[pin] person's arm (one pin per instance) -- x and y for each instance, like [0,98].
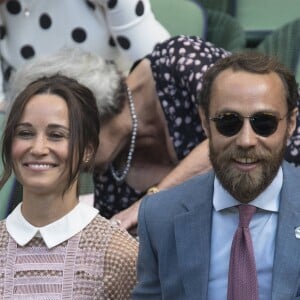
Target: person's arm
[148,284]
[196,162]
[133,27]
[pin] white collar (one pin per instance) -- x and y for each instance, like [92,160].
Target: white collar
[267,200]
[53,234]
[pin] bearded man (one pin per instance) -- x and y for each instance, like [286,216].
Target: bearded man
[232,233]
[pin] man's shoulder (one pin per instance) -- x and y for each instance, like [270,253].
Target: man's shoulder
[290,172]
[172,200]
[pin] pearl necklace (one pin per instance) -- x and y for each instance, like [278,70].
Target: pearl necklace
[118,175]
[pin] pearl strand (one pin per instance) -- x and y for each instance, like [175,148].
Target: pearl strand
[118,175]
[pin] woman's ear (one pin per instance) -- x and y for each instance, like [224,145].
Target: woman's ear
[204,122]
[88,154]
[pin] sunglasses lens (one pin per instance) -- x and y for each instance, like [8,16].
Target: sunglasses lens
[229,124]
[264,124]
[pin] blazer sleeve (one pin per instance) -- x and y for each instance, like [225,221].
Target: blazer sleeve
[148,283]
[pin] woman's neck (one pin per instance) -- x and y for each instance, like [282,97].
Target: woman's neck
[154,149]
[42,209]
[143,89]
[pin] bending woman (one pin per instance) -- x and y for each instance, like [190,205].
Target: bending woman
[115,30]
[52,246]
[151,134]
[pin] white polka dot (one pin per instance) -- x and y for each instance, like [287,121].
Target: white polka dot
[167,76]
[189,61]
[181,60]
[204,68]
[191,77]
[182,51]
[188,120]
[198,76]
[162,60]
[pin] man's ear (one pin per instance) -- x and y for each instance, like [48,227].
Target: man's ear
[292,122]
[204,121]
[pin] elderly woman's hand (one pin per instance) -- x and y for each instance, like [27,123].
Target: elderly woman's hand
[128,218]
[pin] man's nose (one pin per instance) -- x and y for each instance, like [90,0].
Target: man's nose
[246,137]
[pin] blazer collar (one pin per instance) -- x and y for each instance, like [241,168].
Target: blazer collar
[192,235]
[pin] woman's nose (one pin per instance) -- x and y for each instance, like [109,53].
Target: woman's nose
[39,146]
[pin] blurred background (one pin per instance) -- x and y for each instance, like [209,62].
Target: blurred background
[268,26]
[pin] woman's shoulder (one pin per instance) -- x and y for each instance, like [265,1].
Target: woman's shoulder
[102,232]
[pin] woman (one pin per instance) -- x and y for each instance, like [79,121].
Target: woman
[150,127]
[113,29]
[51,245]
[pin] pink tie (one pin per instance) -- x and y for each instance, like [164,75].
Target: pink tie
[242,278]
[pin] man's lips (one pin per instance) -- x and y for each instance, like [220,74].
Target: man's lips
[246,160]
[246,163]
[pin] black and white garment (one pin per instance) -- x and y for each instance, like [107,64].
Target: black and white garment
[114,29]
[177,66]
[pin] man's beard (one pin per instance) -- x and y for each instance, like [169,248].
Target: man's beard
[245,186]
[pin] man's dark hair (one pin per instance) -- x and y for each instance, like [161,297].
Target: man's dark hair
[252,62]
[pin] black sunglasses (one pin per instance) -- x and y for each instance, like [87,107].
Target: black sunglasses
[262,123]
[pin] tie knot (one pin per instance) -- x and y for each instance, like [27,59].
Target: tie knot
[246,212]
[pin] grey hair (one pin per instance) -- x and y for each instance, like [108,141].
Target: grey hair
[99,75]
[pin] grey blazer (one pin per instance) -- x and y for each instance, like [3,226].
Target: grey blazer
[175,231]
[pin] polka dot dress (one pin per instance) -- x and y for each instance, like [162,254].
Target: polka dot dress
[292,153]
[178,66]
[113,29]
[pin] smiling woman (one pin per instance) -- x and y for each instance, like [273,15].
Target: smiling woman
[51,134]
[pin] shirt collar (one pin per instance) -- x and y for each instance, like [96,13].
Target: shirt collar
[52,234]
[267,200]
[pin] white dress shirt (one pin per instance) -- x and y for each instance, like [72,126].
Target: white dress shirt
[54,233]
[263,227]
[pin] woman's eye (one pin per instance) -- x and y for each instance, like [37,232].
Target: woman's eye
[24,134]
[56,135]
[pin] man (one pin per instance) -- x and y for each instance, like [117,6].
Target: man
[248,110]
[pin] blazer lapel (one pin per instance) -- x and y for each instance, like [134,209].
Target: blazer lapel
[193,234]
[287,248]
